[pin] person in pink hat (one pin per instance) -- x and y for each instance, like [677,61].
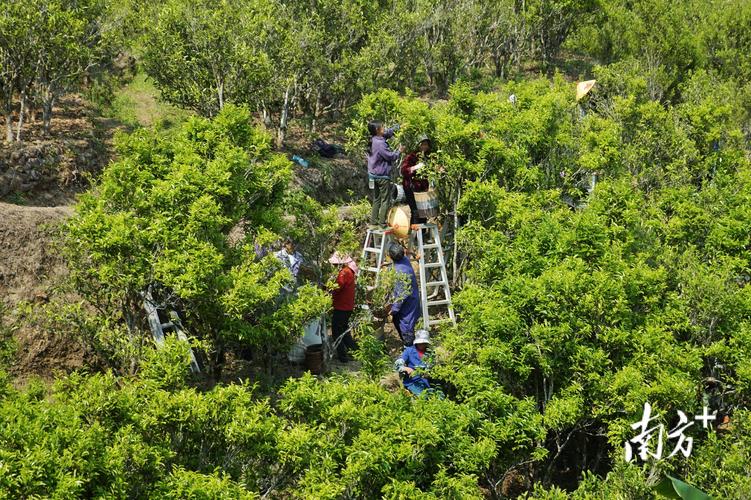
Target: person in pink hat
[344,303]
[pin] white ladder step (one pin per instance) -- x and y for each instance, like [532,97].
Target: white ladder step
[441,320]
[428,241]
[436,283]
[372,250]
[157,327]
[443,302]
[372,269]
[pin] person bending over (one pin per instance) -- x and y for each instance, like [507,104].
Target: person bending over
[406,310]
[413,359]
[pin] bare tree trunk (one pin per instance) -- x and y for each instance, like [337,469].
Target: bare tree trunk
[47,105]
[497,64]
[455,265]
[8,124]
[316,112]
[20,117]
[282,132]
[220,93]
[265,114]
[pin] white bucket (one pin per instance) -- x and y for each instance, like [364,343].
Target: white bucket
[399,196]
[297,353]
[312,336]
[367,314]
[312,333]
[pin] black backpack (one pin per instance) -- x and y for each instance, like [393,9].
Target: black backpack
[325,149]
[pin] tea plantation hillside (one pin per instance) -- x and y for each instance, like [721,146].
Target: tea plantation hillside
[586,165]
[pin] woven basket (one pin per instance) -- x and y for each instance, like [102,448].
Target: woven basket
[427,204]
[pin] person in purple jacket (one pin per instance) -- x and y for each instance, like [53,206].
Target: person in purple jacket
[381,159]
[405,312]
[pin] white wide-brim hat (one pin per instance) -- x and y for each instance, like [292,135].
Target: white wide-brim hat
[422,337]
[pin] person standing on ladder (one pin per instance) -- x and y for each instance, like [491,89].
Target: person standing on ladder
[406,311]
[344,302]
[411,179]
[381,159]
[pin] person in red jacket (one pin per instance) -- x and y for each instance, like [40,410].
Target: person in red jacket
[411,179]
[344,302]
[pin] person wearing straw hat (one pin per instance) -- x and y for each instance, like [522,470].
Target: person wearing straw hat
[414,358]
[411,180]
[582,91]
[587,179]
[343,299]
[583,88]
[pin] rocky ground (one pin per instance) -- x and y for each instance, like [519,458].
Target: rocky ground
[48,170]
[39,179]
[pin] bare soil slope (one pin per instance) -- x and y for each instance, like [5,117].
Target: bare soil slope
[27,265]
[29,271]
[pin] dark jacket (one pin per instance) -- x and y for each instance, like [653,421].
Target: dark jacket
[381,157]
[412,181]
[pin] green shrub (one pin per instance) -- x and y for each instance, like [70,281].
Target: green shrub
[160,217]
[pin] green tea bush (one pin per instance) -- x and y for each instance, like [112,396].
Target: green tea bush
[99,435]
[160,218]
[579,307]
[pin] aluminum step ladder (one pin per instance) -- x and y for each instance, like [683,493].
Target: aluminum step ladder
[158,328]
[431,262]
[374,252]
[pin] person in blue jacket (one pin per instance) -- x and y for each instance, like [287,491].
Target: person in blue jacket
[406,311]
[412,359]
[381,159]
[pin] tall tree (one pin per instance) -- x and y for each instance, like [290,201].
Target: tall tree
[70,42]
[205,54]
[18,29]
[551,23]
